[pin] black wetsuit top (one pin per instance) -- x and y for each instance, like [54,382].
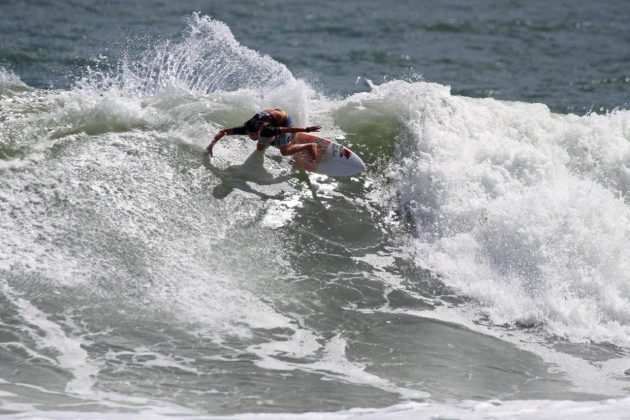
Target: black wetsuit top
[265,117]
[265,132]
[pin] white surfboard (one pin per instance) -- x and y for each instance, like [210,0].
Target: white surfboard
[333,159]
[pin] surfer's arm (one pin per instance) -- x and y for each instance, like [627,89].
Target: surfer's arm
[298,129]
[219,136]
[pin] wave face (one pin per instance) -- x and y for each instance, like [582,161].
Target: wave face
[130,266]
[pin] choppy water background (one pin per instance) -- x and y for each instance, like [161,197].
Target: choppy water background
[483,256]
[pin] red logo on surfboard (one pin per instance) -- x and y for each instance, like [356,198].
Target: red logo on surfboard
[346,153]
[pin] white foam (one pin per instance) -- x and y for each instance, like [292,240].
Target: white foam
[522,209]
[494,409]
[26,245]
[150,358]
[71,356]
[329,360]
[8,78]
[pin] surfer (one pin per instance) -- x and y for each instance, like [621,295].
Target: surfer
[270,127]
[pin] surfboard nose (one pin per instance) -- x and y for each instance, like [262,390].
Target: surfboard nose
[356,161]
[363,167]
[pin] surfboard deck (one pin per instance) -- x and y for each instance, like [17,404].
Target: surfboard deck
[333,159]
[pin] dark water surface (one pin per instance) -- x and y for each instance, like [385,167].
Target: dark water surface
[571,56]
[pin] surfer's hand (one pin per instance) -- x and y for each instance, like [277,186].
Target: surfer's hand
[209,149]
[312,128]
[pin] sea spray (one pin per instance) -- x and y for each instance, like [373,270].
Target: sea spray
[206,60]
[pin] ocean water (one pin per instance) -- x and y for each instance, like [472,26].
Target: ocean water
[479,268]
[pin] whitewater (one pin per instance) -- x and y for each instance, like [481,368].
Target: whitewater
[479,268]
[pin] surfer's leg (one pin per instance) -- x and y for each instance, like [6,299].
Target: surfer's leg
[291,149]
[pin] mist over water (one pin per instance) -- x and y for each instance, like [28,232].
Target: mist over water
[481,256]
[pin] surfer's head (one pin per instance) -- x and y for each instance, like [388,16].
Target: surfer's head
[252,127]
